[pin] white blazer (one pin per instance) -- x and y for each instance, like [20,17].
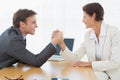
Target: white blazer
[110,50]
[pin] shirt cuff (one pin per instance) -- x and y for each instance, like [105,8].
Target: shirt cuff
[53,45]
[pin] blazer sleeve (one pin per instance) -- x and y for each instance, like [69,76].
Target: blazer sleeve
[114,60]
[74,56]
[19,52]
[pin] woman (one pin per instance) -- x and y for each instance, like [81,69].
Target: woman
[101,44]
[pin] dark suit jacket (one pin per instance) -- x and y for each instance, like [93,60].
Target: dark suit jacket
[13,49]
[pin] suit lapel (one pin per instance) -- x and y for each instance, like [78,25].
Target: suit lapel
[19,34]
[102,39]
[92,45]
[102,43]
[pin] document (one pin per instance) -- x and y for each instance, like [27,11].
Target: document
[56,58]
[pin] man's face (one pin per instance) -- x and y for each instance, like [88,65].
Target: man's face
[29,26]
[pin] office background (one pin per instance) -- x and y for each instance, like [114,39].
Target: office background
[65,15]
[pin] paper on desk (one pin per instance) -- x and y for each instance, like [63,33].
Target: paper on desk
[56,58]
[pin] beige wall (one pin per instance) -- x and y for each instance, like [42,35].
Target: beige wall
[65,15]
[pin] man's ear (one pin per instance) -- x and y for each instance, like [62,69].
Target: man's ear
[22,24]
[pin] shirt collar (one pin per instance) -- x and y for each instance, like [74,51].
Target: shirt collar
[102,32]
[24,37]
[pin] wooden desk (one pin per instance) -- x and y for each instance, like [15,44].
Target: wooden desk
[47,71]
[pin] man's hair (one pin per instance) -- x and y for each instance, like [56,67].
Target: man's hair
[22,15]
[96,8]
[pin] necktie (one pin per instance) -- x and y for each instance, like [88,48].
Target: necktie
[24,41]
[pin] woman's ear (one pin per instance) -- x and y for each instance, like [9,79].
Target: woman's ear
[94,15]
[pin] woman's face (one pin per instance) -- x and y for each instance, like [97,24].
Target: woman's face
[88,20]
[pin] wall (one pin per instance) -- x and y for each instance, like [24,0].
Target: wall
[65,15]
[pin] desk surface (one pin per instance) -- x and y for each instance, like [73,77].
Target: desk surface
[47,71]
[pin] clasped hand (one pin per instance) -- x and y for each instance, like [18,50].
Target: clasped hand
[57,37]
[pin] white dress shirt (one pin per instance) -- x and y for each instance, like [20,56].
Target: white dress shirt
[98,47]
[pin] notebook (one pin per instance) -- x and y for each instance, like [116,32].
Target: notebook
[56,57]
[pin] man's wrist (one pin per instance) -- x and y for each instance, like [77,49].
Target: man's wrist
[53,43]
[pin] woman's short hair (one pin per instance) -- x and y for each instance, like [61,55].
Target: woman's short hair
[96,8]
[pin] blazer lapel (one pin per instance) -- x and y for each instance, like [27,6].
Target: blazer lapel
[92,45]
[102,43]
[102,39]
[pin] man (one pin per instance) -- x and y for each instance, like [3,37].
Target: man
[13,45]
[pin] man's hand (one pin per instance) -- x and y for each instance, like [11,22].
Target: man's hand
[82,64]
[57,37]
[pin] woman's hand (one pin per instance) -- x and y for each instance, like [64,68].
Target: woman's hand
[82,64]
